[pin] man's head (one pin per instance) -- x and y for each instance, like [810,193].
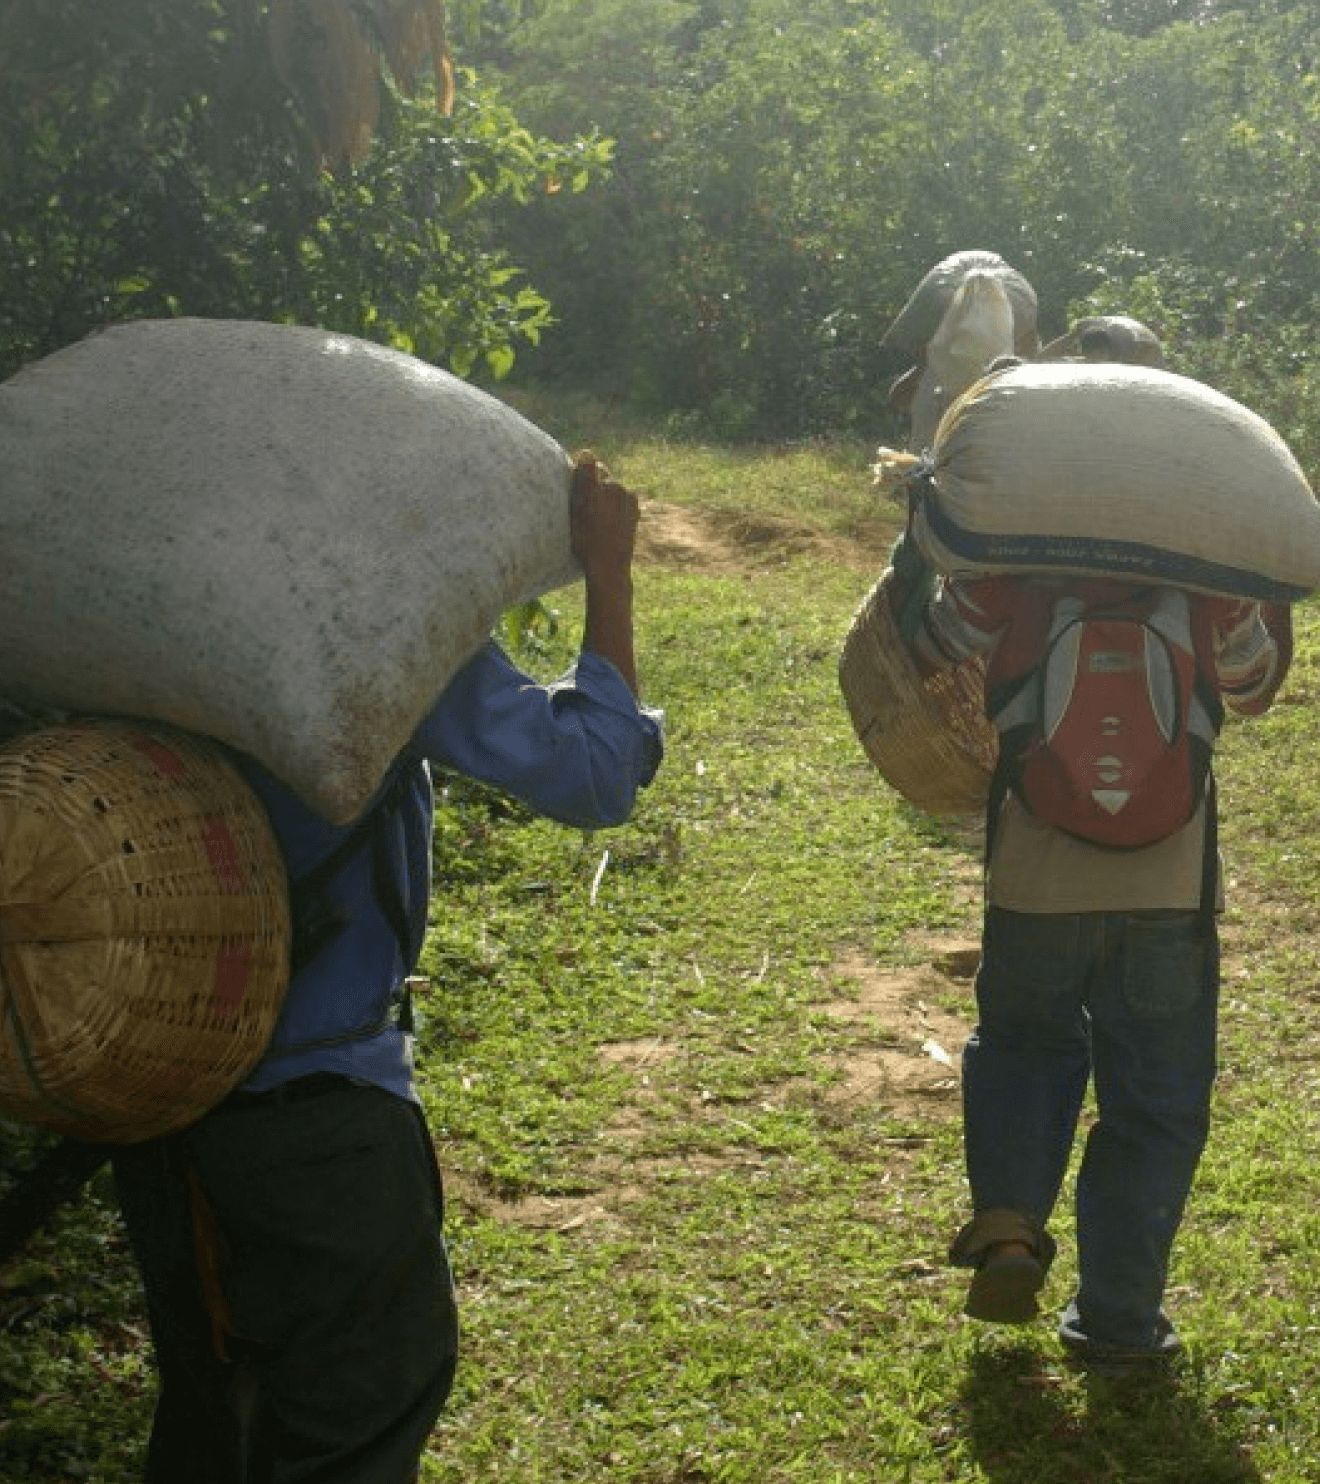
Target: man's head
[1108,337]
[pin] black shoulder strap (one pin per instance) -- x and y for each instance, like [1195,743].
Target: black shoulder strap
[385,879]
[1209,861]
[317,922]
[1011,745]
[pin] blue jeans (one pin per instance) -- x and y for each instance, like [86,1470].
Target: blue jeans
[1131,1000]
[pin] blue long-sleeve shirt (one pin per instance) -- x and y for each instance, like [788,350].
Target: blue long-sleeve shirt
[576,751]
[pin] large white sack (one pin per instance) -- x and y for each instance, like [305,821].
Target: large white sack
[280,537]
[920,317]
[1130,470]
[977,329]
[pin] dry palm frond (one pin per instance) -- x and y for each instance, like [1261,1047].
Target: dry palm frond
[436,27]
[411,32]
[320,56]
[327,54]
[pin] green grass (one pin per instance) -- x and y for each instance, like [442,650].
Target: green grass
[686,1251]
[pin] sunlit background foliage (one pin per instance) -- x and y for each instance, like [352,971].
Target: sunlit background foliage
[708,208]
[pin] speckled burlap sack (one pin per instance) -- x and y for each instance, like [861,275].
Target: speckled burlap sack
[280,537]
[1087,468]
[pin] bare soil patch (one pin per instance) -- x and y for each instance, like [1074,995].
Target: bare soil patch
[904,1060]
[906,1043]
[907,1059]
[721,542]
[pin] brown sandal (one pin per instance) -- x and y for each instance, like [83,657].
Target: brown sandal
[1005,1287]
[1011,1254]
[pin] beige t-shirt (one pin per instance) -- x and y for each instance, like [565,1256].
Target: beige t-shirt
[1036,868]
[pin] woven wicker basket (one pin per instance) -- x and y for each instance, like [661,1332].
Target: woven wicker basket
[144,930]
[929,738]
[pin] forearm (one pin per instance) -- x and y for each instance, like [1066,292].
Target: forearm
[604,519]
[1253,652]
[608,630]
[964,620]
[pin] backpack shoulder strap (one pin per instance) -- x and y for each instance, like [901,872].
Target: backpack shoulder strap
[316,921]
[1209,904]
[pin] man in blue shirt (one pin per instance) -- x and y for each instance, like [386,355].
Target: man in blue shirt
[301,1302]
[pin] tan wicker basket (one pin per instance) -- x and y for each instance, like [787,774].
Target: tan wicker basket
[929,738]
[144,929]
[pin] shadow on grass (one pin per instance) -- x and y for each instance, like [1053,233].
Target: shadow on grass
[1031,1422]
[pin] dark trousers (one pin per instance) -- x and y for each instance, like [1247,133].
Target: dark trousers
[301,1303]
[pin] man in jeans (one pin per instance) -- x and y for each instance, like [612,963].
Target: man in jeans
[302,1309]
[1096,963]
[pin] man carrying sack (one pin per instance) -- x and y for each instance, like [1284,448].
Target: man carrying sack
[1099,960]
[301,1301]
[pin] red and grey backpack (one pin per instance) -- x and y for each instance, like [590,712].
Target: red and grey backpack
[1107,717]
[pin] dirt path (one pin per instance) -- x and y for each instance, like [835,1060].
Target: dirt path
[720,542]
[906,1042]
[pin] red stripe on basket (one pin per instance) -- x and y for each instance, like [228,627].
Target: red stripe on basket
[233,969]
[223,853]
[165,760]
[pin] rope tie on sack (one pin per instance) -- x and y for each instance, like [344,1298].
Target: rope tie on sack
[908,479]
